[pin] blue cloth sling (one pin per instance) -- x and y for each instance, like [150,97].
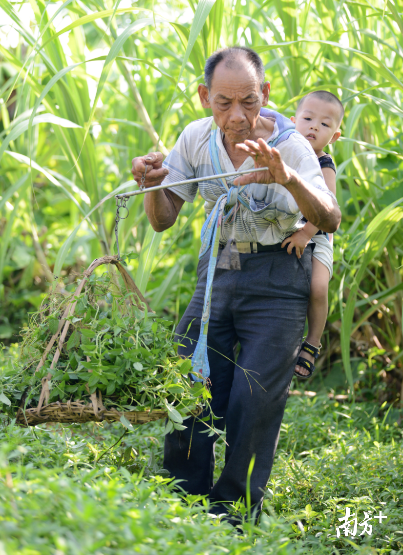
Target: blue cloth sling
[211,230]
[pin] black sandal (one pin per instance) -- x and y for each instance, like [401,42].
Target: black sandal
[304,363]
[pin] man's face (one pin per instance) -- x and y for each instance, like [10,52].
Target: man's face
[318,121]
[235,99]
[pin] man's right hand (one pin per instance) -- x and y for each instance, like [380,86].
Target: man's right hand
[155,174]
[162,207]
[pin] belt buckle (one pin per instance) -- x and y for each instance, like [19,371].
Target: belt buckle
[243,248]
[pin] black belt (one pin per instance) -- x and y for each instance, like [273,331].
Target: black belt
[244,248]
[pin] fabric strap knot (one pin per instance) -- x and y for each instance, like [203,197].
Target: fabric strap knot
[232,196]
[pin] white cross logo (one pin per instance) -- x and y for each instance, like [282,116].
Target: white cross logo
[380,517]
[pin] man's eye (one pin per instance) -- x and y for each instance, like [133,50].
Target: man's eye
[325,124]
[307,119]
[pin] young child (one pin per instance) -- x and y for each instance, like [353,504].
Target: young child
[318,119]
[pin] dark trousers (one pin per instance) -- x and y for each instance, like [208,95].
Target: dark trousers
[263,306]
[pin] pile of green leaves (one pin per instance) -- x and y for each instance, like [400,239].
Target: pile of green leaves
[113,348]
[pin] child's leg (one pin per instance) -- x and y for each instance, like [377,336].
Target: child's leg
[317,310]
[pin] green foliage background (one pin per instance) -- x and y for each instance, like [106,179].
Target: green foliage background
[87,85]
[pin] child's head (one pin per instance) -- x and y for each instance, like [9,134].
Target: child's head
[318,118]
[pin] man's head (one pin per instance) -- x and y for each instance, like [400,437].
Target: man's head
[318,118]
[235,91]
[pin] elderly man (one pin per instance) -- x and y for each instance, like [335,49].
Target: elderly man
[263,305]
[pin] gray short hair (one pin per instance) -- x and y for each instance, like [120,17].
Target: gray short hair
[231,54]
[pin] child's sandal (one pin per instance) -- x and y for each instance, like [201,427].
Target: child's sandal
[304,363]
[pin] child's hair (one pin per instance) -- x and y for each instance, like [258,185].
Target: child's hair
[326,96]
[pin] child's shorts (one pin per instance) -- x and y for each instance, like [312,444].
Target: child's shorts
[323,252]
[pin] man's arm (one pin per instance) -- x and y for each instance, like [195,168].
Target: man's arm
[162,207]
[300,239]
[317,206]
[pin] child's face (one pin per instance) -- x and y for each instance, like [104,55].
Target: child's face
[318,121]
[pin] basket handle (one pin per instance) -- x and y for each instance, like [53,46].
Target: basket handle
[65,324]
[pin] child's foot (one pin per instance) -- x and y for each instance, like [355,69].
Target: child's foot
[300,370]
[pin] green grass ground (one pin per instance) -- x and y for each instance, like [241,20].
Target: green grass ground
[55,498]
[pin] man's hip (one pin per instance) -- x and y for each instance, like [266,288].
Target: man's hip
[264,275]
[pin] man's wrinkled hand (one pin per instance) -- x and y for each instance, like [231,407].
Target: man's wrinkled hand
[155,173]
[264,155]
[299,240]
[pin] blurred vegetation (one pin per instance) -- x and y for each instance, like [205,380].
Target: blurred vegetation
[86,86]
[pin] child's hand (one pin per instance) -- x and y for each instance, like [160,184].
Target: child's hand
[299,240]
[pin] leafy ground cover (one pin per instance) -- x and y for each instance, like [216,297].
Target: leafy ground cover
[86,489]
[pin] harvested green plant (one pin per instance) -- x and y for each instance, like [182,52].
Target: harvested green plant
[114,347]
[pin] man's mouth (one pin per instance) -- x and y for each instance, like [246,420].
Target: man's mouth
[311,137]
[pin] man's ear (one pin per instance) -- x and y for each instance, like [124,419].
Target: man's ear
[204,96]
[335,137]
[265,93]
[292,118]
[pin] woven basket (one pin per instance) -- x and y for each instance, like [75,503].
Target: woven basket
[77,411]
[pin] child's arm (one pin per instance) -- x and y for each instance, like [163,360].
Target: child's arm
[300,239]
[330,179]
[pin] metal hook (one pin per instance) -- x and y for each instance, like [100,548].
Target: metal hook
[120,203]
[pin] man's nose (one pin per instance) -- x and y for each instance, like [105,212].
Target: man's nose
[314,125]
[237,114]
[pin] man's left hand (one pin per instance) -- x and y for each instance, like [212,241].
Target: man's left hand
[263,155]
